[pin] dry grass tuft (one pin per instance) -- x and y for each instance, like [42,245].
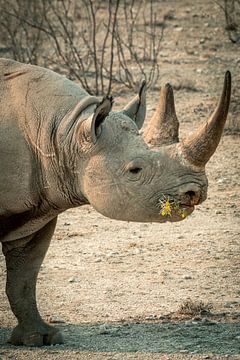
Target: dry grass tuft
[194,308]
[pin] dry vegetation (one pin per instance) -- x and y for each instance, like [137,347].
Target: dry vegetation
[231,9]
[95,42]
[194,308]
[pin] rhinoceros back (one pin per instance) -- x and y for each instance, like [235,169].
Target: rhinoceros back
[32,99]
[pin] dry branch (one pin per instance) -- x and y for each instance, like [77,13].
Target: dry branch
[97,43]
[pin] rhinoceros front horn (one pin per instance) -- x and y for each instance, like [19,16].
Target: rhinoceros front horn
[199,147]
[162,128]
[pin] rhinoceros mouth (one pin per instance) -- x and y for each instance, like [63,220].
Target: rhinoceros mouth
[188,208]
[185,206]
[171,208]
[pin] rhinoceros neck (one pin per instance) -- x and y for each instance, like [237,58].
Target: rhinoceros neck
[65,149]
[59,162]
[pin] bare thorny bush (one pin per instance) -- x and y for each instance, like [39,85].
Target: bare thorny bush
[231,9]
[98,43]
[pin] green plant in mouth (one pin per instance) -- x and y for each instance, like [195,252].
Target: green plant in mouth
[167,206]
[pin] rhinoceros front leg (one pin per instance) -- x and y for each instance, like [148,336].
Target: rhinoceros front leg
[23,264]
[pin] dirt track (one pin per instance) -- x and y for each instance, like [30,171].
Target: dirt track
[111,284]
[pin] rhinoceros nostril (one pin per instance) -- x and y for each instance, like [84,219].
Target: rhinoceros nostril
[190,194]
[191,197]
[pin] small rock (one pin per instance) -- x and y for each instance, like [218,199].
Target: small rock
[206,321]
[73,280]
[112,254]
[218,212]
[104,329]
[136,251]
[179,29]
[187,277]
[151,317]
[231,304]
[197,318]
[55,319]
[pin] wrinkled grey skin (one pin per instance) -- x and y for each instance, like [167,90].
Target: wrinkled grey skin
[61,148]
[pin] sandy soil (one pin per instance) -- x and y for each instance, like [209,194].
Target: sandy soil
[115,288]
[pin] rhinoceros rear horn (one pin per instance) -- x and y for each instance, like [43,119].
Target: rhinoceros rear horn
[162,128]
[136,108]
[199,147]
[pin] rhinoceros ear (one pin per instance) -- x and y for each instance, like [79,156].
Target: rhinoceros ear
[92,125]
[136,108]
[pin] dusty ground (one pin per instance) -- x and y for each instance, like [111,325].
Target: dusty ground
[112,285]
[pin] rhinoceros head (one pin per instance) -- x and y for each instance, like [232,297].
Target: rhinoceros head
[147,178]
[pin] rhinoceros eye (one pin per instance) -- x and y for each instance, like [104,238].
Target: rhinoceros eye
[134,167]
[135,170]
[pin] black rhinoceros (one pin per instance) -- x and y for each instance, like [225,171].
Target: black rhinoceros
[62,148]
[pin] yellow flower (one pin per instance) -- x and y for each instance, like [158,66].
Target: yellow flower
[166,208]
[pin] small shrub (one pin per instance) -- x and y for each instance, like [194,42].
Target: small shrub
[194,308]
